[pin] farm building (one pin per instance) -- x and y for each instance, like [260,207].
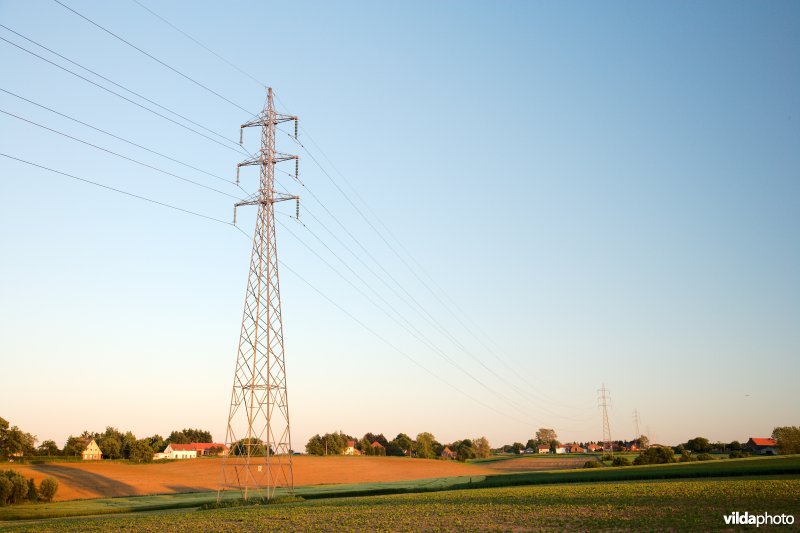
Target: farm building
[177,451]
[543,449]
[561,449]
[447,453]
[594,448]
[528,450]
[209,448]
[574,448]
[762,446]
[350,449]
[91,452]
[377,448]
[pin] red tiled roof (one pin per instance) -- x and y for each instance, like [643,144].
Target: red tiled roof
[207,445]
[351,443]
[182,447]
[376,444]
[764,442]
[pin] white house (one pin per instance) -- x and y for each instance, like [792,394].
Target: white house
[561,449]
[543,449]
[178,451]
[350,449]
[91,452]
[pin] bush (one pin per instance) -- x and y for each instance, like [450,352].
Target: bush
[5,489]
[621,461]
[591,464]
[736,454]
[48,488]
[686,457]
[33,494]
[19,487]
[704,457]
[655,456]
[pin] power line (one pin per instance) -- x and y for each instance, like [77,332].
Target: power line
[120,96]
[204,47]
[123,87]
[120,191]
[173,69]
[162,171]
[187,165]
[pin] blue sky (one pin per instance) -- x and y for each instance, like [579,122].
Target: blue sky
[610,191]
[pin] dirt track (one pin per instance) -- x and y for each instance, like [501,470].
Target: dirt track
[107,479]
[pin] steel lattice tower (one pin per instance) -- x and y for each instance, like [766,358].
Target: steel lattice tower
[258,434]
[603,401]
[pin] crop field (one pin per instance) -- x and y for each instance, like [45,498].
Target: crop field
[635,505]
[111,479]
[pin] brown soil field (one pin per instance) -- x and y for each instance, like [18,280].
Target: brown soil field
[103,479]
[536,463]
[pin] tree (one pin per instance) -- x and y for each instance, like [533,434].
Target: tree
[157,443]
[48,447]
[532,444]
[405,443]
[517,447]
[735,446]
[698,444]
[546,435]
[111,447]
[642,442]
[464,450]
[254,446]
[48,488]
[5,489]
[315,446]
[655,455]
[788,438]
[141,452]
[426,445]
[553,445]
[13,440]
[128,440]
[481,447]
[177,437]
[74,446]
[189,435]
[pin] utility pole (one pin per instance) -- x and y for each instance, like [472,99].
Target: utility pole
[636,423]
[603,401]
[258,437]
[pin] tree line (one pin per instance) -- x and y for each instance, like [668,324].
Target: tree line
[424,446]
[113,443]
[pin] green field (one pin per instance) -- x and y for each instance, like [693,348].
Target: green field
[633,505]
[786,465]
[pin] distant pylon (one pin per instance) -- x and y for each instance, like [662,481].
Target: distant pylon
[603,400]
[258,436]
[636,423]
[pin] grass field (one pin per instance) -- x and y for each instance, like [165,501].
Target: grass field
[633,505]
[732,468]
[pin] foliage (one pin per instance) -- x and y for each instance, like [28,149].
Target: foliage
[699,445]
[254,446]
[642,442]
[517,447]
[546,435]
[736,454]
[111,447]
[788,438]
[13,440]
[327,444]
[74,446]
[591,464]
[481,447]
[48,488]
[33,492]
[655,455]
[426,446]
[5,489]
[14,489]
[48,447]
[620,460]
[704,457]
[141,452]
[189,435]
[735,446]
[686,457]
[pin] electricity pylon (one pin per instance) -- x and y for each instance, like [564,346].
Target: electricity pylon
[258,436]
[603,400]
[636,423]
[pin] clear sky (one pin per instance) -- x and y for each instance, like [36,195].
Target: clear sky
[607,192]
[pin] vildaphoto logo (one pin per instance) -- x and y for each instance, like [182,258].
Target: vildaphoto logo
[747,519]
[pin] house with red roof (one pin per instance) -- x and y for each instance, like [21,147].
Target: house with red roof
[544,448]
[350,449]
[447,453]
[761,446]
[574,448]
[192,450]
[593,448]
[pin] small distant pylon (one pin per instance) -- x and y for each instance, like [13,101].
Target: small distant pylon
[604,401]
[636,423]
[258,436]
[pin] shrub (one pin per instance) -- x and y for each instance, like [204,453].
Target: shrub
[591,464]
[737,454]
[621,461]
[686,457]
[704,457]
[48,488]
[33,494]
[19,487]
[655,456]
[5,489]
